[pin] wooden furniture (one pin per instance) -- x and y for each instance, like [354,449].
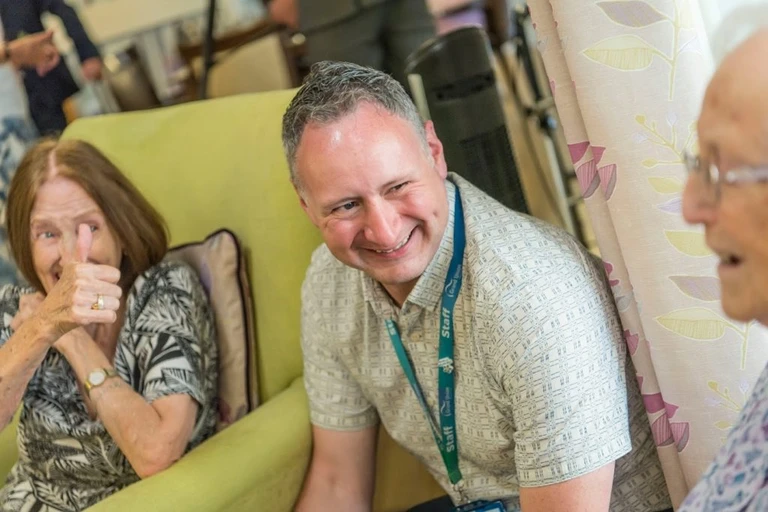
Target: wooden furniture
[226,45]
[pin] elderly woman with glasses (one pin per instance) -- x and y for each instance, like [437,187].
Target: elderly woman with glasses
[727,192]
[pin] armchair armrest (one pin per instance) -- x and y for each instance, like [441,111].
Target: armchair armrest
[257,463]
[8,451]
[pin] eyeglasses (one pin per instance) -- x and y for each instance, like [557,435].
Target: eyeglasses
[712,178]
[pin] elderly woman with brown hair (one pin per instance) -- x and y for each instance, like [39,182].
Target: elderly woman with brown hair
[112,352]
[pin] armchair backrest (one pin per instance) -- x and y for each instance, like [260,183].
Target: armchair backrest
[219,163]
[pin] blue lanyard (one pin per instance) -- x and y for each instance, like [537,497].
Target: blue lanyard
[446,435]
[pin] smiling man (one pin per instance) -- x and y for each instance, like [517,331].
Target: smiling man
[485,341]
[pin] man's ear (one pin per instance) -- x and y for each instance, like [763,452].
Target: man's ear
[304,205]
[436,150]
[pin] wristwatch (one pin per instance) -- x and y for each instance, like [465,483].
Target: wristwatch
[98,377]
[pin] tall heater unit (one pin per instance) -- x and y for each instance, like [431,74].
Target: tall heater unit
[452,81]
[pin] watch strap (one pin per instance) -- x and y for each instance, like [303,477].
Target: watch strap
[108,374]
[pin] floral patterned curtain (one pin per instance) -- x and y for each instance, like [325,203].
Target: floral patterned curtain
[628,77]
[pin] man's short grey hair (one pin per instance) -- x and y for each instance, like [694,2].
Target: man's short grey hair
[334,89]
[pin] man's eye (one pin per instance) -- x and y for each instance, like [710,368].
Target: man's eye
[45,234]
[399,186]
[346,206]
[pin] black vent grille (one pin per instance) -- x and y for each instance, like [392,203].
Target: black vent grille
[491,167]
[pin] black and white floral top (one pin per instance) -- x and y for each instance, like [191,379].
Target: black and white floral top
[167,346]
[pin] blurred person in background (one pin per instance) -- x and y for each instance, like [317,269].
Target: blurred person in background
[47,93]
[374,33]
[37,54]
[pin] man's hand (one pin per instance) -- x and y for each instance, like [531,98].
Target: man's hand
[285,12]
[34,51]
[91,69]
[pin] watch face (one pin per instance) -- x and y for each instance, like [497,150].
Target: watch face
[96,377]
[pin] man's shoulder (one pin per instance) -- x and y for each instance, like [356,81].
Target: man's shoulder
[512,248]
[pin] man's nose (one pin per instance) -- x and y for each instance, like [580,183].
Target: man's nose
[699,201]
[382,224]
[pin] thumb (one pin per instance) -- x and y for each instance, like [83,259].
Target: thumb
[84,241]
[41,37]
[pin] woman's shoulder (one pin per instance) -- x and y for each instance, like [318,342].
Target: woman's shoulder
[169,275]
[10,294]
[167,281]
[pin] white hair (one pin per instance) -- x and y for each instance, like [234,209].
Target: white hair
[738,25]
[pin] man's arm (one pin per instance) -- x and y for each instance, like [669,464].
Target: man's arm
[341,474]
[565,368]
[587,493]
[85,47]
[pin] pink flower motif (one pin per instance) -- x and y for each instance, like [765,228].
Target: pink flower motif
[666,432]
[607,178]
[609,270]
[588,178]
[589,175]
[597,152]
[633,341]
[578,150]
[671,409]
[662,432]
[653,402]
[681,433]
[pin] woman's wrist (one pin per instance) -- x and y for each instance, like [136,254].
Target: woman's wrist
[38,330]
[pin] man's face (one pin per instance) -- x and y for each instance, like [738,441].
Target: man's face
[376,193]
[733,133]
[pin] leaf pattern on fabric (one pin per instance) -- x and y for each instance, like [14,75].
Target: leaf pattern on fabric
[67,461]
[631,13]
[666,185]
[703,288]
[626,53]
[695,323]
[690,243]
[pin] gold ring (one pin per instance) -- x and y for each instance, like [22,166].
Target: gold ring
[99,304]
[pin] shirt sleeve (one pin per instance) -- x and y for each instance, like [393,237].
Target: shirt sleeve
[564,365]
[336,401]
[85,47]
[176,349]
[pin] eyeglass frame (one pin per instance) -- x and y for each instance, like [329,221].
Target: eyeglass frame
[739,176]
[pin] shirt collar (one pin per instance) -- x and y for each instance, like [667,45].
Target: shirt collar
[429,288]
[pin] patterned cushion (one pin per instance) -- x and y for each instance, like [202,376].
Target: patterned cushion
[220,263]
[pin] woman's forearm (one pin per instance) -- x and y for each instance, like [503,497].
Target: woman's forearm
[20,356]
[146,438]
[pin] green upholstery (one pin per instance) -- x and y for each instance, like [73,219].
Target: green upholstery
[216,164]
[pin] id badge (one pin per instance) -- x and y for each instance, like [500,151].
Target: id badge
[482,506]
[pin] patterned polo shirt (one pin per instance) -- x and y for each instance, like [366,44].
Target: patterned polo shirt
[544,388]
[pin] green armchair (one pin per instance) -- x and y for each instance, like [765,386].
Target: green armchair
[216,164]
